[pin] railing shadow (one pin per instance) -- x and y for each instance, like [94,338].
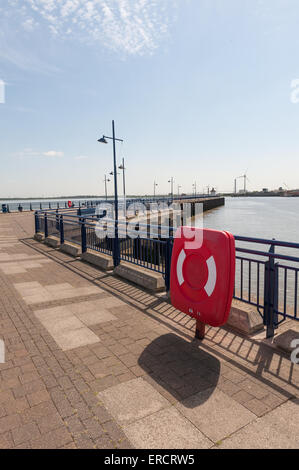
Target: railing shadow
[180,369]
[244,353]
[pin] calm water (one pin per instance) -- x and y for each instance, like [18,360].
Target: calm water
[268,217]
[261,217]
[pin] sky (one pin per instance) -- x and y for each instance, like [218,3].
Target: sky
[200,90]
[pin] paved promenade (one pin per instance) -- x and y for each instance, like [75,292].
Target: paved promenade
[95,362]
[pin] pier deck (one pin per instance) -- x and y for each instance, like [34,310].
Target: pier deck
[94,362]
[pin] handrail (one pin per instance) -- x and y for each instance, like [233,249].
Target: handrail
[267,241]
[91,222]
[260,282]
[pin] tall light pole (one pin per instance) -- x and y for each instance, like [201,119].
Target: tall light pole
[122,167]
[155,185]
[116,251]
[179,186]
[171,181]
[194,188]
[106,180]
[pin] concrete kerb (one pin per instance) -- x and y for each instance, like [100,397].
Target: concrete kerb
[52,241]
[39,237]
[284,340]
[149,280]
[244,319]
[100,260]
[71,249]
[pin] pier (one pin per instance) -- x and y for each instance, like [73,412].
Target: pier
[25,206]
[87,353]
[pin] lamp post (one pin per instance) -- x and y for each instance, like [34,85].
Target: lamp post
[194,187]
[116,251]
[171,185]
[122,167]
[155,185]
[106,180]
[179,186]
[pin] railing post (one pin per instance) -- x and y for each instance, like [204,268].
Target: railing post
[270,295]
[116,250]
[46,224]
[57,220]
[61,230]
[168,251]
[83,236]
[36,221]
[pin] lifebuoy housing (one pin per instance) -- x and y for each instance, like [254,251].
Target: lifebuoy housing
[202,274]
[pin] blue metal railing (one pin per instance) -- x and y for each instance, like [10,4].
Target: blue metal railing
[265,278]
[89,204]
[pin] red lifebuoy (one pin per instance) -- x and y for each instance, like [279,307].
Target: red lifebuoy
[69,203]
[202,275]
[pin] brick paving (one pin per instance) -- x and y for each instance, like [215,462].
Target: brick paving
[143,381]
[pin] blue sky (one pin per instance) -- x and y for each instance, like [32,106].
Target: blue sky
[199,90]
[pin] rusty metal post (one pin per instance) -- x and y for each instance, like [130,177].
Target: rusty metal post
[200,329]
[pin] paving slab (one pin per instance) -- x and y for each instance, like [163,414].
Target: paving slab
[89,305]
[75,338]
[22,267]
[53,313]
[37,293]
[57,325]
[166,429]
[19,257]
[63,324]
[96,317]
[133,400]
[278,429]
[215,414]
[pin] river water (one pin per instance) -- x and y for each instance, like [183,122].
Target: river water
[260,217]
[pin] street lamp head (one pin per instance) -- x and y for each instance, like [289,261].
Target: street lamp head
[111,173]
[103,140]
[121,167]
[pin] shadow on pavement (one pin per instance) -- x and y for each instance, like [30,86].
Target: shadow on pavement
[181,367]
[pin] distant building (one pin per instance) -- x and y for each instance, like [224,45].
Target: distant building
[265,190]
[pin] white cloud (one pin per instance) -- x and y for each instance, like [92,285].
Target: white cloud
[28,152]
[53,153]
[125,26]
[29,24]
